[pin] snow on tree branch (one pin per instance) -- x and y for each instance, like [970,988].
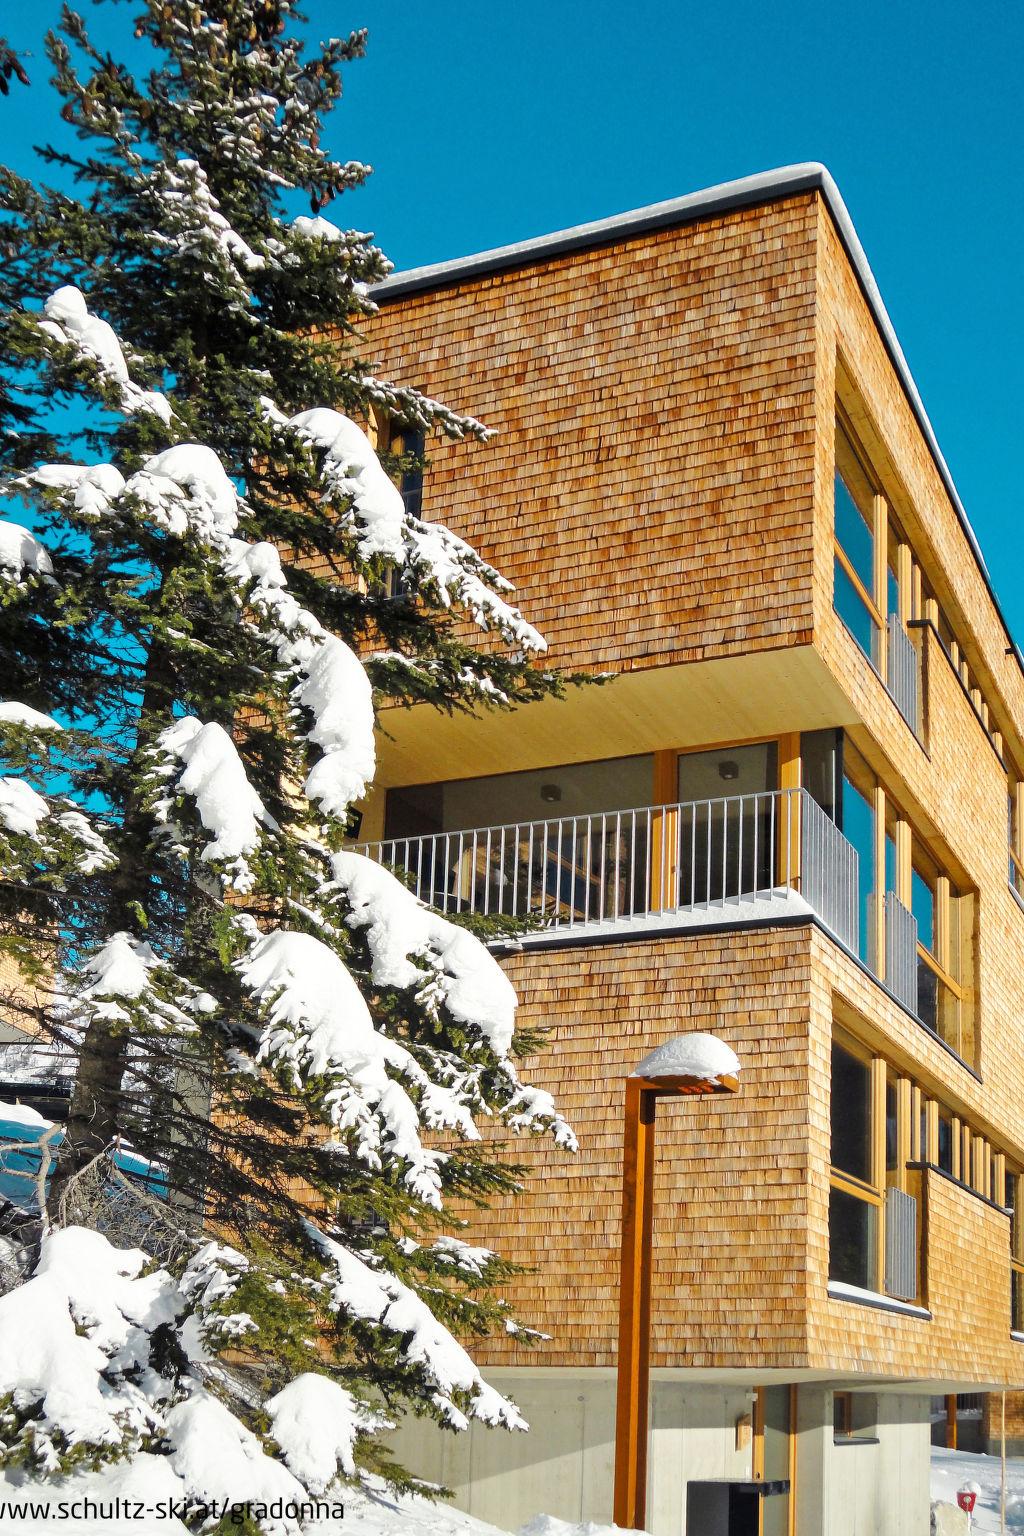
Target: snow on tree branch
[188,219]
[374,1296]
[22,555]
[202,762]
[448,569]
[317,1423]
[68,321]
[318,1026]
[413,946]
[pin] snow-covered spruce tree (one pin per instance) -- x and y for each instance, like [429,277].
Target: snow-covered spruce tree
[271,1020]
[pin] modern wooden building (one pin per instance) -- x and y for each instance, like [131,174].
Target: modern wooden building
[792,818]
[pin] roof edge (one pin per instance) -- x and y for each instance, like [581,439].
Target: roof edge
[727,196]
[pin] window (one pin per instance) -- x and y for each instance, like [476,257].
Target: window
[857,824]
[1015,1202]
[855,1200]
[856,581]
[842,1414]
[854,1416]
[411,446]
[945,1142]
[1015,830]
[941,911]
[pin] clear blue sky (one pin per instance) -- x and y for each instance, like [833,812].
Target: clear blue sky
[491,123]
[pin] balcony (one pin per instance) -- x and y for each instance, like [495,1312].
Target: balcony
[739,859]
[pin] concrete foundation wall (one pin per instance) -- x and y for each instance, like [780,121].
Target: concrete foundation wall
[874,1486]
[871,1485]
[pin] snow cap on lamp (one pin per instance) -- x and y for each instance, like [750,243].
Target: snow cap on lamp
[692,1055]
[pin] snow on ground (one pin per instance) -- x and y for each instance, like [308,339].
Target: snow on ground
[149,1479]
[953,1469]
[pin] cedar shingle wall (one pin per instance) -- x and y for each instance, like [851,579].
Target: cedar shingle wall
[649,490]
[660,490]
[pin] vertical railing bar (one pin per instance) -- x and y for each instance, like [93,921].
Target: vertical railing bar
[529,873]
[473,860]
[757,818]
[590,866]
[544,871]
[725,848]
[487,875]
[632,865]
[558,872]
[573,871]
[500,881]
[648,862]
[707,839]
[739,853]
[693,854]
[618,850]
[662,892]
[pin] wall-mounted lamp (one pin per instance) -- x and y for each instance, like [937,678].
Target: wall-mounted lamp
[728,768]
[551,793]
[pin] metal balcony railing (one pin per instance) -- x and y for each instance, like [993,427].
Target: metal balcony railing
[903,668]
[734,858]
[901,952]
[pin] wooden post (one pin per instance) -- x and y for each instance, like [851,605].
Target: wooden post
[633,1391]
[951,1421]
[633,1387]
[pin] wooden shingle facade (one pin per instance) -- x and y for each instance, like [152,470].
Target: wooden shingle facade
[713,479]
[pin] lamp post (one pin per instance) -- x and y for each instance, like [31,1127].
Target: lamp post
[689,1066]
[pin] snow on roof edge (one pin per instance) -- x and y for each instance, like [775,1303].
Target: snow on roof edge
[745,191]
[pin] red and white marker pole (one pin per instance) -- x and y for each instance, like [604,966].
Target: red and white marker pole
[967,1497]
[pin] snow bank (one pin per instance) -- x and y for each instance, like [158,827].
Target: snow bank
[952,1470]
[696,1055]
[547,1525]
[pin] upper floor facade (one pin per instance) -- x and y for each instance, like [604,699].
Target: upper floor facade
[712,478]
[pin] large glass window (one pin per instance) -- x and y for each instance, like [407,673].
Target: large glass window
[574,838]
[942,912]
[858,827]
[732,827]
[1015,1202]
[855,580]
[854,1198]
[851,1114]
[1015,829]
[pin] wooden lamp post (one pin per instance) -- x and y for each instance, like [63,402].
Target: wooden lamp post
[691,1065]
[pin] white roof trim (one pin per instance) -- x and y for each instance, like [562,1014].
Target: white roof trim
[748,191]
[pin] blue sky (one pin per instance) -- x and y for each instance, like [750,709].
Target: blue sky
[492,123]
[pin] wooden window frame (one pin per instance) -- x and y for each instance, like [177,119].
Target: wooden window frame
[878,522]
[1015,830]
[1016,1234]
[870,1191]
[842,1415]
